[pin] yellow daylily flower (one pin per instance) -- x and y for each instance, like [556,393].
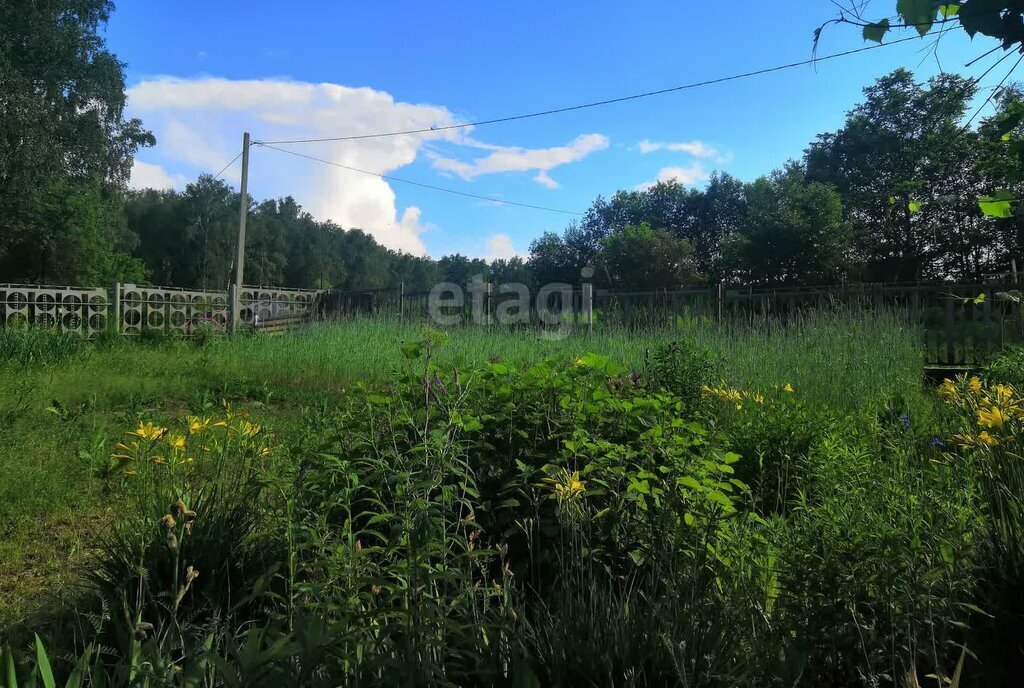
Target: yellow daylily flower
[974,384]
[788,388]
[148,431]
[1004,394]
[993,417]
[948,390]
[177,442]
[987,439]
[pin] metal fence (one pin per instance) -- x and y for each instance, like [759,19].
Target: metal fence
[131,309]
[962,324]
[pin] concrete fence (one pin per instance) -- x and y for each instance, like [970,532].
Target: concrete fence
[130,309]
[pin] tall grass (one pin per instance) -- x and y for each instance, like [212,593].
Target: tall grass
[63,401]
[839,359]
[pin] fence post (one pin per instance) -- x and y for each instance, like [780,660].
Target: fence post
[588,304]
[487,304]
[401,301]
[719,302]
[233,308]
[115,309]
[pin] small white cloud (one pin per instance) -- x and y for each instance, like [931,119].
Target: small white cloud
[499,247]
[514,159]
[202,54]
[543,179]
[687,176]
[146,175]
[696,148]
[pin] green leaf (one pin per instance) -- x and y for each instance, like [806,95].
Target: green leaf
[949,11]
[876,32]
[690,482]
[984,18]
[914,206]
[43,665]
[1000,205]
[10,675]
[920,13]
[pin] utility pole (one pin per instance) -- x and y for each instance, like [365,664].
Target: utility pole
[243,212]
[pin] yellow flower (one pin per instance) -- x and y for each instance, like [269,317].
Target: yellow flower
[177,442]
[987,439]
[974,384]
[993,417]
[196,424]
[573,488]
[125,452]
[568,487]
[148,431]
[788,388]
[948,390]
[250,429]
[1004,394]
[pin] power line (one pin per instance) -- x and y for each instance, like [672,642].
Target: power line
[414,183]
[610,101]
[994,91]
[217,176]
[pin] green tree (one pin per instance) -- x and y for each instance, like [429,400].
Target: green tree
[641,257]
[793,233]
[905,171]
[66,148]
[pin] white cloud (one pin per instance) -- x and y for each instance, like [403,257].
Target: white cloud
[696,148]
[188,145]
[499,246]
[687,176]
[198,123]
[515,159]
[545,180]
[146,175]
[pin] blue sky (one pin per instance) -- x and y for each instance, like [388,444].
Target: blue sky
[201,73]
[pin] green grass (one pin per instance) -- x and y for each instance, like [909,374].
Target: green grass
[63,406]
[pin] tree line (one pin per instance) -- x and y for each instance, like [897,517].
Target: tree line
[891,196]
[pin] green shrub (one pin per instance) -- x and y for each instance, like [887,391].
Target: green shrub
[877,564]
[189,543]
[683,368]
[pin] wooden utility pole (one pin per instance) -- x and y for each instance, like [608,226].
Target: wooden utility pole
[243,212]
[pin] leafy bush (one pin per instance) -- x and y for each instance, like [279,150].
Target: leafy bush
[683,368]
[774,432]
[876,564]
[189,544]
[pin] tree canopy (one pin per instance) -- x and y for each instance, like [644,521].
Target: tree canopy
[66,147]
[892,195]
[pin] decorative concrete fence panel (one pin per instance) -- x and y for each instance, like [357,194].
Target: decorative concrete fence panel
[68,309]
[131,308]
[172,310]
[263,305]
